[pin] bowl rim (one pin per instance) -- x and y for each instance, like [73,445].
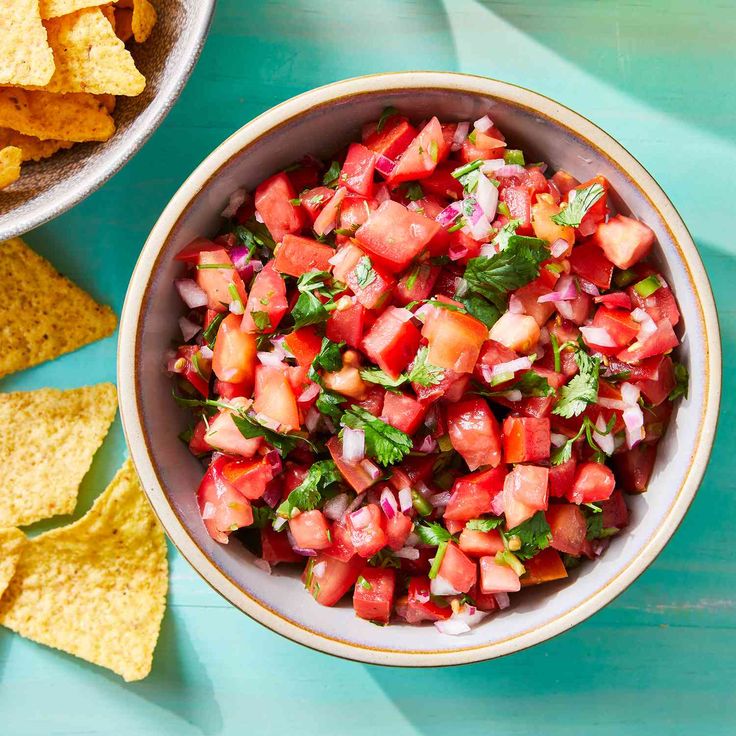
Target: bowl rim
[130,332]
[129,143]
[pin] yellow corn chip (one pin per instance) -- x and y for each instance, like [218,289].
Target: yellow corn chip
[47,441]
[124,23]
[90,57]
[96,588]
[10,160]
[12,542]
[32,149]
[144,19]
[109,12]
[25,55]
[108,102]
[42,314]
[55,8]
[72,117]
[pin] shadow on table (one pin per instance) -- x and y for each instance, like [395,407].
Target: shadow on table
[640,48]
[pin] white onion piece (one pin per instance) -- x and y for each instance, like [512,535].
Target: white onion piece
[279,523]
[598,336]
[483,124]
[634,421]
[607,403]
[513,395]
[319,568]
[510,170]
[558,247]
[429,444]
[487,196]
[206,352]
[237,199]
[353,445]
[488,250]
[267,421]
[308,394]
[518,364]
[557,440]
[405,499]
[471,615]
[335,508]
[589,287]
[388,503]
[629,393]
[190,293]
[269,359]
[262,564]
[401,314]
[440,586]
[515,305]
[236,307]
[354,504]
[312,419]
[360,518]
[451,626]
[604,441]
[407,553]
[461,133]
[259,217]
[440,499]
[188,328]
[502,599]
[373,470]
[491,165]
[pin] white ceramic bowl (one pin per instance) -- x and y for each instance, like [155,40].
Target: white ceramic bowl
[320,122]
[50,187]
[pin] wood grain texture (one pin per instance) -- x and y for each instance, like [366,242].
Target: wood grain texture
[659,77]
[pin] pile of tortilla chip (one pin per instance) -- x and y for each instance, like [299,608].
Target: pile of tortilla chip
[61,64]
[95,588]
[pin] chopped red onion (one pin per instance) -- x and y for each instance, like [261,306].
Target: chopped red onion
[353,445]
[634,420]
[256,266]
[598,336]
[566,291]
[271,359]
[502,599]
[277,343]
[558,247]
[557,440]
[488,250]
[267,422]
[589,288]
[469,615]
[407,553]
[279,523]
[424,311]
[516,306]
[457,251]
[309,393]
[428,444]
[385,165]
[497,506]
[440,499]
[236,201]
[381,194]
[206,352]
[339,257]
[373,470]
[518,364]
[483,124]
[440,586]
[600,545]
[492,165]
[272,494]
[354,504]
[312,419]
[335,508]
[604,441]
[461,133]
[423,488]
[405,502]
[190,293]
[240,256]
[629,393]
[303,551]
[388,503]
[510,170]
[403,315]
[487,196]
[188,328]
[618,299]
[262,564]
[258,217]
[607,403]
[448,215]
[361,518]
[451,626]
[513,395]
[274,460]
[174,364]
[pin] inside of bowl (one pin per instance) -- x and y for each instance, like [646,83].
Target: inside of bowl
[322,131]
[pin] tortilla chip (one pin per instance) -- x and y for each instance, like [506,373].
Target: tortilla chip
[25,55]
[96,588]
[12,542]
[90,57]
[42,314]
[73,117]
[144,19]
[32,149]
[10,160]
[124,24]
[48,438]
[109,12]
[108,101]
[55,8]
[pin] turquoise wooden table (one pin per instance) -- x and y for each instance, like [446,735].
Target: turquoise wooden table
[661,658]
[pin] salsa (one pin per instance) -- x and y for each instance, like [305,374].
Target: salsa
[428,372]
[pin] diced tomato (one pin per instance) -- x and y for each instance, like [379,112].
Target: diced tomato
[564,182]
[495,578]
[275,547]
[392,341]
[660,305]
[519,202]
[346,325]
[373,292]
[393,138]
[454,527]
[249,477]
[473,494]
[489,145]
[310,530]
[624,241]
[480,544]
[656,420]
[215,276]
[416,284]
[544,227]
[304,344]
[403,411]
[342,544]
[525,439]
[657,391]
[394,235]
[474,432]
[413,469]
[454,339]
[420,604]
[588,260]
[197,369]
[561,478]
[314,200]
[197,444]
[528,296]
[634,467]
[441,183]
[275,398]
[224,436]
[457,569]
[516,331]
[330,581]
[267,298]
[326,221]
[597,213]
[296,256]
[190,252]
[544,567]
[366,530]
[354,211]
[355,475]
[373,597]
[273,201]
[222,508]
[373,400]
[398,529]
[234,359]
[660,342]
[614,511]
[528,485]
[568,527]
[593,482]
[422,155]
[492,354]
[618,323]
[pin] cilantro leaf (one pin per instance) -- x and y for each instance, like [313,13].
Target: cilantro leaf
[319,281]
[384,558]
[249,427]
[534,535]
[262,515]
[308,310]
[582,388]
[495,276]
[582,201]
[414,191]
[384,443]
[387,113]
[308,494]
[484,525]
[432,533]
[376,375]
[210,334]
[253,235]
[480,308]
[681,386]
[533,384]
[332,174]
[503,236]
[364,273]
[329,403]
[261,319]
[596,530]
[424,373]
[329,357]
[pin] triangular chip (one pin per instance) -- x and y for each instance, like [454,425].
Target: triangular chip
[96,588]
[143,21]
[74,117]
[25,55]
[10,160]
[32,149]
[42,314]
[48,438]
[55,8]
[12,542]
[90,57]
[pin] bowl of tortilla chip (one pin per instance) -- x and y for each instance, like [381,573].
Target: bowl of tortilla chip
[83,85]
